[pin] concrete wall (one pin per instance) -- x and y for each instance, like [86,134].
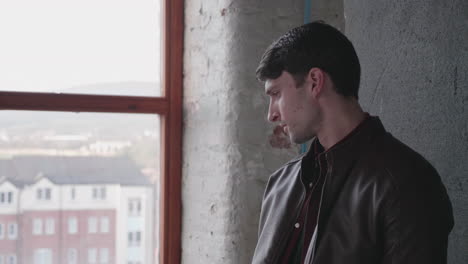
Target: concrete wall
[227,154]
[414,57]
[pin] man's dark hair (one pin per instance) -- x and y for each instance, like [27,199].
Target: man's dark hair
[313,45]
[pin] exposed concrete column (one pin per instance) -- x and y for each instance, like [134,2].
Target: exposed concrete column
[227,153]
[414,57]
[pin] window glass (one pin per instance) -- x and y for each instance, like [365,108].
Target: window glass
[98,47]
[50,226]
[12,259]
[92,225]
[43,256]
[12,230]
[72,256]
[116,155]
[92,255]
[104,224]
[37,226]
[72,225]
[104,255]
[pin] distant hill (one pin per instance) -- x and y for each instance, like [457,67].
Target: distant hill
[103,125]
[121,88]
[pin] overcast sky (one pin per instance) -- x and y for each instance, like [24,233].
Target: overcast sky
[51,45]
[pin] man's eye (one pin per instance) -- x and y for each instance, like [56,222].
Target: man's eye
[274,93]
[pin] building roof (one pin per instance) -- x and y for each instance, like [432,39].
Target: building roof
[26,170]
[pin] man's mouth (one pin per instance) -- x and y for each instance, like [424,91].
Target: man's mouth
[284,127]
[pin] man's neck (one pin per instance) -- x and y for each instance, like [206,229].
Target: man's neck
[338,122]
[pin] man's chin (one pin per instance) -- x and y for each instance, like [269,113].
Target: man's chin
[298,140]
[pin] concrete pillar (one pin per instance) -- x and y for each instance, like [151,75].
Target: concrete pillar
[227,154]
[414,57]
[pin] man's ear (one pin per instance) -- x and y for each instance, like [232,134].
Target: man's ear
[316,77]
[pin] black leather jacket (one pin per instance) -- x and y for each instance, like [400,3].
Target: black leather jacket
[382,203]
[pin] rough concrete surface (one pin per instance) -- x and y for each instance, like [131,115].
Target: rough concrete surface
[414,57]
[227,154]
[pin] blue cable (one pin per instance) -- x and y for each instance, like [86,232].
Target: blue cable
[307,19]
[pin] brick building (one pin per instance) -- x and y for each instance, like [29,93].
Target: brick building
[75,210]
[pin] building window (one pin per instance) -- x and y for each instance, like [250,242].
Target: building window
[73,193]
[72,256]
[104,224]
[134,238]
[2,259]
[10,197]
[48,194]
[43,256]
[99,193]
[92,255]
[134,207]
[12,259]
[92,225]
[50,226]
[104,255]
[2,232]
[44,194]
[72,225]
[37,226]
[12,230]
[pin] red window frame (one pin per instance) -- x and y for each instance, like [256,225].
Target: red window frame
[168,106]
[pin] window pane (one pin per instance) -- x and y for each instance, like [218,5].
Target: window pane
[86,46]
[53,153]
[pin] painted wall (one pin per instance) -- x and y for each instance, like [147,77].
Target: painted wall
[414,57]
[227,154]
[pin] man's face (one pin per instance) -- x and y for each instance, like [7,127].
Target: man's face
[293,107]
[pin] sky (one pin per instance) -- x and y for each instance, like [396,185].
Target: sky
[52,45]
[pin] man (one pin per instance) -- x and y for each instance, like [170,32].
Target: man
[359,195]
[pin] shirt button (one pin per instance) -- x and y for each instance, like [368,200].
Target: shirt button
[297,225]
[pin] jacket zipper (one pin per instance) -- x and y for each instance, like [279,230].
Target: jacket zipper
[283,238]
[329,171]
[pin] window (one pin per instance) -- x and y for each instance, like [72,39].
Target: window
[138,238]
[134,207]
[49,96]
[73,193]
[92,255]
[2,232]
[43,256]
[10,197]
[12,259]
[134,238]
[104,255]
[50,226]
[103,193]
[37,226]
[72,256]
[47,193]
[12,230]
[99,193]
[104,224]
[92,225]
[44,194]
[2,197]
[72,225]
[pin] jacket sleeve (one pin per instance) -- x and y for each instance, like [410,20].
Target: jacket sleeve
[417,219]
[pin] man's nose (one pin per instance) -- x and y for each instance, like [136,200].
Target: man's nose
[273,115]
